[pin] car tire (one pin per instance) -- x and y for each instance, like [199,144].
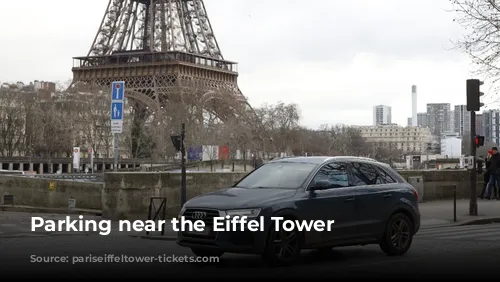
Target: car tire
[398,235]
[282,247]
[200,252]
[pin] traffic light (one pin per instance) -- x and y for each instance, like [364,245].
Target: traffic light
[474,94]
[176,141]
[479,141]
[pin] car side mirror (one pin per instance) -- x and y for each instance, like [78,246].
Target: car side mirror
[320,185]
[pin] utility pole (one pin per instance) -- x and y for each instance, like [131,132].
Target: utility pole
[183,164]
[179,144]
[473,175]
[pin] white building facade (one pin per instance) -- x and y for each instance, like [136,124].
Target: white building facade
[451,145]
[410,139]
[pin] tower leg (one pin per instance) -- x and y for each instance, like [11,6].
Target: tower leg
[140,139]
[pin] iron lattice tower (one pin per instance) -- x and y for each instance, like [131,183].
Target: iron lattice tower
[166,52]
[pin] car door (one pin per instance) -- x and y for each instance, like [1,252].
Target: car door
[374,192]
[335,201]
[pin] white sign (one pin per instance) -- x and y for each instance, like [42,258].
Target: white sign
[116,126]
[76,157]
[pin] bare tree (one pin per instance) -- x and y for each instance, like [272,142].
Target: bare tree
[12,123]
[281,121]
[482,38]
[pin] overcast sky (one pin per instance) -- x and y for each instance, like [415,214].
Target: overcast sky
[336,59]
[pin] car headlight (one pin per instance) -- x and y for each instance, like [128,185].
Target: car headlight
[249,213]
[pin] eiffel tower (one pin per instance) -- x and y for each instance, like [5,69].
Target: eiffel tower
[167,54]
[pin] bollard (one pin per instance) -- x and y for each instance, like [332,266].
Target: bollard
[455,203]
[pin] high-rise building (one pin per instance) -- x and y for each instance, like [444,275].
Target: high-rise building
[479,125]
[382,115]
[461,120]
[422,119]
[409,121]
[414,118]
[438,118]
[452,121]
[491,123]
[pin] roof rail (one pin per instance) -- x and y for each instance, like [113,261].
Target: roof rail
[360,158]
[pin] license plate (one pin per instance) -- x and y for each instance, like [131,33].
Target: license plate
[205,232]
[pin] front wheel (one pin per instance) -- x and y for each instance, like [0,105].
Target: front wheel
[283,247]
[398,235]
[207,252]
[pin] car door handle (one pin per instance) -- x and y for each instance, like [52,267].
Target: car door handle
[387,195]
[349,200]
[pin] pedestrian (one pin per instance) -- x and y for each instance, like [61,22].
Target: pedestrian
[487,174]
[494,170]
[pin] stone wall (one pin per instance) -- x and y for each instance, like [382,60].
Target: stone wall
[50,193]
[127,195]
[439,184]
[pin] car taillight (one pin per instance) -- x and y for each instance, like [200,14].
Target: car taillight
[415,193]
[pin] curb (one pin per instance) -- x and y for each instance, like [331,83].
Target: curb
[7,208]
[158,238]
[478,221]
[481,221]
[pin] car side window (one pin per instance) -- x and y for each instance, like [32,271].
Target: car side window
[333,175]
[365,174]
[384,176]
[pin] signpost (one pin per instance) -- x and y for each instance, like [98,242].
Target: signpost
[116,114]
[76,159]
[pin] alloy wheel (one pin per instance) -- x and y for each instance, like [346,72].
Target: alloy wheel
[400,234]
[285,244]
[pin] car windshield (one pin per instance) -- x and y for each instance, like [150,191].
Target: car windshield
[284,175]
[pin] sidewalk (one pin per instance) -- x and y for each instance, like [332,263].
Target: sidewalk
[440,213]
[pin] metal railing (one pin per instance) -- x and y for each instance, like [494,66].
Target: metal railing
[152,58]
[158,211]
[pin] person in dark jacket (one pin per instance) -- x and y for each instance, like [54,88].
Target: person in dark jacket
[494,169]
[487,174]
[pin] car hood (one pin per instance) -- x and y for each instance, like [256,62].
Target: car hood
[239,198]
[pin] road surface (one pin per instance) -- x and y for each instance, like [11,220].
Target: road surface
[447,251]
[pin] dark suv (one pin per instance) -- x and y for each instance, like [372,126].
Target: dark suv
[369,202]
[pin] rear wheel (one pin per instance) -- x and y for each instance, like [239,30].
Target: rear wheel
[398,235]
[283,247]
[207,252]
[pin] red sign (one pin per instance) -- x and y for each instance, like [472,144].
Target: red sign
[76,150]
[117,86]
[223,152]
[90,150]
